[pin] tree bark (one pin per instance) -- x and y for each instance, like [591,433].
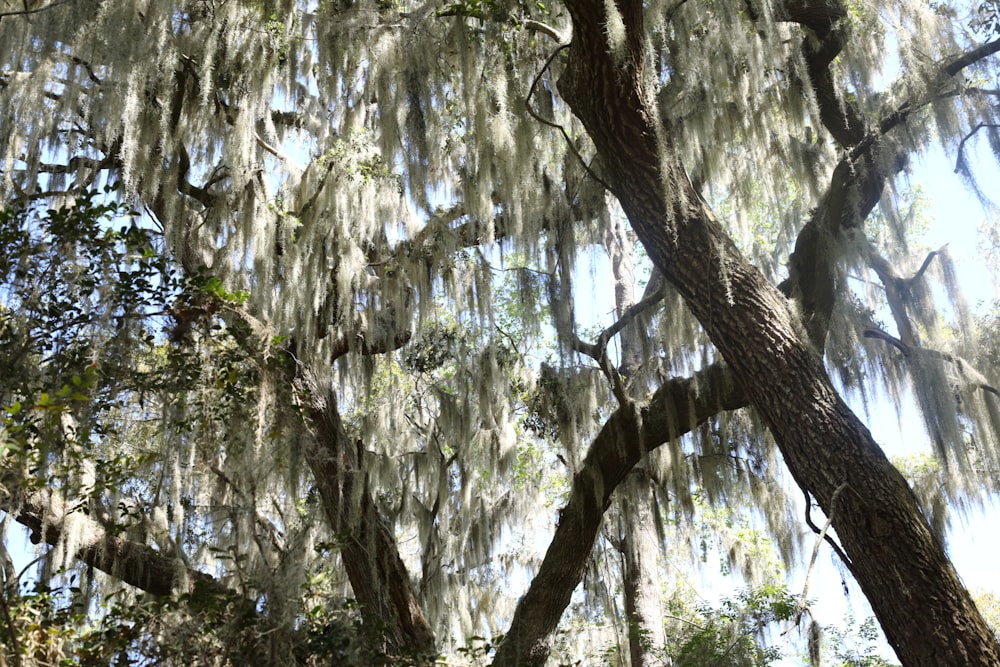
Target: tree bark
[643,606]
[927,615]
[390,609]
[638,544]
[368,549]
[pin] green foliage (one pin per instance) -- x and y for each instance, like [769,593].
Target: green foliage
[732,633]
[989,604]
[71,279]
[62,626]
[85,291]
[90,390]
[435,346]
[856,644]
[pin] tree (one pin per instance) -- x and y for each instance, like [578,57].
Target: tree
[344,373]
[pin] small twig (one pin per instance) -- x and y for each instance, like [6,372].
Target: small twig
[960,164]
[553,124]
[598,350]
[823,536]
[803,605]
[630,314]
[271,149]
[76,60]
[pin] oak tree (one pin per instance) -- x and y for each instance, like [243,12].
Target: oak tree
[341,349]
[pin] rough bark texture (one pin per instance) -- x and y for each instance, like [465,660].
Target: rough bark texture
[927,615]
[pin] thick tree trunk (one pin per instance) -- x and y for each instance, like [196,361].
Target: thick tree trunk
[927,615]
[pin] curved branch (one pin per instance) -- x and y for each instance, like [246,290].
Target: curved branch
[368,548]
[964,369]
[562,130]
[597,350]
[677,407]
[545,29]
[897,289]
[927,262]
[369,552]
[872,332]
[34,10]
[960,164]
[136,564]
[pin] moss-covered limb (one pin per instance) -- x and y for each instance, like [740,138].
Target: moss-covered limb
[825,22]
[638,546]
[677,407]
[379,579]
[860,175]
[897,289]
[47,515]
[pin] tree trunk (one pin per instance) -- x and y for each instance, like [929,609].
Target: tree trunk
[639,547]
[643,606]
[381,584]
[927,615]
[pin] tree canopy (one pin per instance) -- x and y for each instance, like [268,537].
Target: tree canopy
[298,353]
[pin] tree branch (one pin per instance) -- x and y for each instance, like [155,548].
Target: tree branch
[960,164]
[971,57]
[46,513]
[368,548]
[675,408]
[839,117]
[34,10]
[966,371]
